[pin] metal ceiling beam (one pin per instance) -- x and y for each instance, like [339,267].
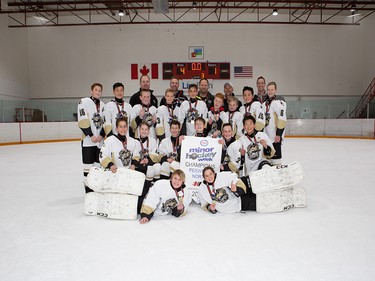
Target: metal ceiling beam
[82,2]
[245,12]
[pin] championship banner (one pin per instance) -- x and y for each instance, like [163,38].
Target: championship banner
[197,153]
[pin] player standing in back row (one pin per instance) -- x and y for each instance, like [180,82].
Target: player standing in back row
[90,121]
[275,113]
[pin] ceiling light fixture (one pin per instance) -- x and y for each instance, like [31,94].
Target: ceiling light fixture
[354,14]
[352,9]
[40,18]
[275,12]
[121,13]
[195,4]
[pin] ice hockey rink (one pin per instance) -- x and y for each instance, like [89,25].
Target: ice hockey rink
[45,236]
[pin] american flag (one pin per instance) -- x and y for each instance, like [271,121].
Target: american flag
[243,71]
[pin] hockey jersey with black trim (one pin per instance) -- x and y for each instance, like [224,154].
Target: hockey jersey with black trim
[220,192]
[91,120]
[162,199]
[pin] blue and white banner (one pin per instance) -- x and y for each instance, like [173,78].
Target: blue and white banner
[197,153]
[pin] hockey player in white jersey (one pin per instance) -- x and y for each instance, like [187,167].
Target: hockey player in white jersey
[91,120]
[223,192]
[191,109]
[120,150]
[166,197]
[275,113]
[256,147]
[148,157]
[200,127]
[252,107]
[166,114]
[170,151]
[144,112]
[216,117]
[117,108]
[231,152]
[234,117]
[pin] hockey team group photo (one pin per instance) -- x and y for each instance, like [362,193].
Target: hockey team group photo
[146,157]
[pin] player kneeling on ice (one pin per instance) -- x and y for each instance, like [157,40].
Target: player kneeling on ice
[166,197]
[257,148]
[122,151]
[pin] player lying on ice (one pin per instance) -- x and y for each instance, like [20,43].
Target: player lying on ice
[166,197]
[224,192]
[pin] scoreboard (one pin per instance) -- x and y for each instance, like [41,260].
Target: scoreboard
[196,70]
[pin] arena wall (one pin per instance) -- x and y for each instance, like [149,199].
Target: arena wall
[17,133]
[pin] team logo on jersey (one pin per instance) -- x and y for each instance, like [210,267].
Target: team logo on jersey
[191,115]
[226,159]
[253,151]
[268,117]
[125,156]
[213,129]
[121,114]
[144,153]
[169,205]
[147,118]
[221,195]
[173,155]
[97,120]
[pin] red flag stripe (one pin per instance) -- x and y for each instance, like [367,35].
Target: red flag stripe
[134,71]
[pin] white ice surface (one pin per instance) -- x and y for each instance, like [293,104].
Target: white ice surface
[44,235]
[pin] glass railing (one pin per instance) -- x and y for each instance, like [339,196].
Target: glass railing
[57,111]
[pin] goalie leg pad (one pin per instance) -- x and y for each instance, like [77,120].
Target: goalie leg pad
[275,201]
[123,181]
[92,203]
[299,196]
[276,177]
[118,206]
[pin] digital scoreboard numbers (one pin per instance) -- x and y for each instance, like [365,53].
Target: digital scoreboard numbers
[196,70]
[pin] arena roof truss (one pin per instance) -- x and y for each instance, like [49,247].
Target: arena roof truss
[41,13]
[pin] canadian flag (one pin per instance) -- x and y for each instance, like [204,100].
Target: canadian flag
[145,69]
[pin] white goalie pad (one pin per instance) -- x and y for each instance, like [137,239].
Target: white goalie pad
[118,206]
[275,201]
[299,196]
[123,181]
[276,177]
[92,202]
